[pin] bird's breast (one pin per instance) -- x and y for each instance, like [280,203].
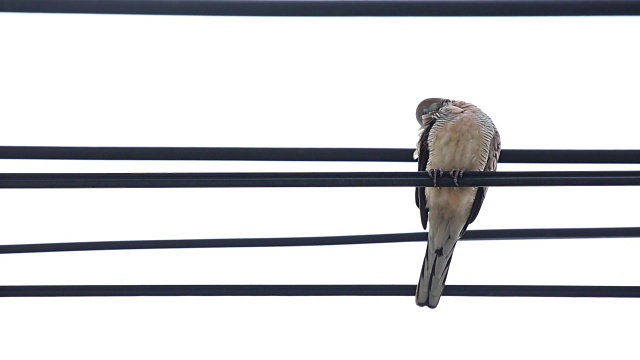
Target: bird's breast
[457,145]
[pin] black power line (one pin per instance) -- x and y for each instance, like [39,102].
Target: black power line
[327,179]
[330,8]
[302,154]
[315,290]
[503,234]
[219,153]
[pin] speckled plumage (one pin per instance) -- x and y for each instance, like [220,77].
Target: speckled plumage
[453,135]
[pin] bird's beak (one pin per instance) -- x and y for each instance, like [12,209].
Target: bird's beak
[423,116]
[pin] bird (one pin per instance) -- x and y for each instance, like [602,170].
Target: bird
[454,137]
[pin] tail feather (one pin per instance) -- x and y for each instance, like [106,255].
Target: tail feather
[435,267]
[432,279]
[445,227]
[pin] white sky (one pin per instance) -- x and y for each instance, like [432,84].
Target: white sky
[88,80]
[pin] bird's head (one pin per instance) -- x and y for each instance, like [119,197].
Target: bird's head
[427,106]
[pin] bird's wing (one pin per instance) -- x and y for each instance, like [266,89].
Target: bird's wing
[491,165]
[423,157]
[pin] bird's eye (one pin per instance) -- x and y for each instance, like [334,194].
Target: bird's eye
[433,107]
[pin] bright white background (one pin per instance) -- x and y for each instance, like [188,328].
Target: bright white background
[85,80]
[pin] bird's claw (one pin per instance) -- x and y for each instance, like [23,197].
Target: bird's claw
[456,173]
[433,174]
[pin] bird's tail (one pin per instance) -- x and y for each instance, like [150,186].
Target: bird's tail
[435,267]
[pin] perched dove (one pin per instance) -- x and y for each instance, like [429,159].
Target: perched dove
[454,136]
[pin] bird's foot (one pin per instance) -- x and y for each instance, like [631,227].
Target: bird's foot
[456,173]
[433,174]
